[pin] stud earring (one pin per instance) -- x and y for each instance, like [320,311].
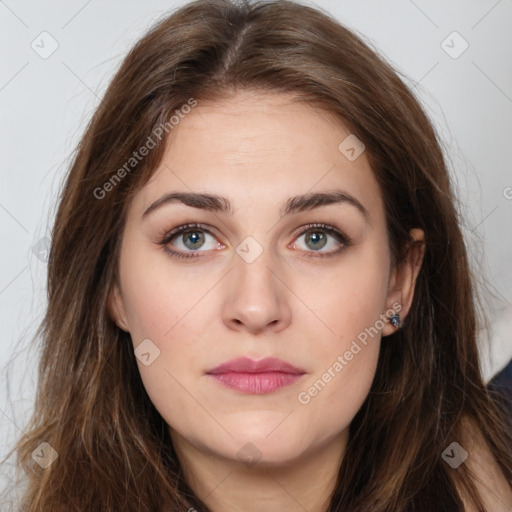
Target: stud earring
[395,320]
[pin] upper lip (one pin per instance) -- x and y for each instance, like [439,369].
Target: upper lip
[246,365]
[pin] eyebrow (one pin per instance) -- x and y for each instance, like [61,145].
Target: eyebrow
[215,203]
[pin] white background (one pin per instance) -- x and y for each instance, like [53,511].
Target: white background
[45,104]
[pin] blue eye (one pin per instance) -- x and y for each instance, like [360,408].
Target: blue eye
[317,235]
[193,237]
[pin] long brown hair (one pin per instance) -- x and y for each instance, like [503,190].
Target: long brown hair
[114,449]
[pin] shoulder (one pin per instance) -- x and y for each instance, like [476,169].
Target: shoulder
[490,482]
[502,382]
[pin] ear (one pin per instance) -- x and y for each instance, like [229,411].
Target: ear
[116,308]
[403,280]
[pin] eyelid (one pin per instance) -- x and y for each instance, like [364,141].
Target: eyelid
[183,228]
[336,233]
[169,235]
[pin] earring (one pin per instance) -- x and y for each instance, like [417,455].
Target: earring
[395,319]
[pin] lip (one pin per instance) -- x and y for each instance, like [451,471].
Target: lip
[256,377]
[246,365]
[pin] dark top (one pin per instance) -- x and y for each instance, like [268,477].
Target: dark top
[502,382]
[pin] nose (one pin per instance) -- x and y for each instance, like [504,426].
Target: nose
[257,298]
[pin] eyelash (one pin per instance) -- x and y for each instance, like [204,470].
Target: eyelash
[309,227]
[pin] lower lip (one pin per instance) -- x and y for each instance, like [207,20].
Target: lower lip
[256,383]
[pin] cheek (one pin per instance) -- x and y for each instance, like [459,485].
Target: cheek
[170,379]
[334,396]
[350,305]
[344,367]
[157,297]
[162,307]
[348,297]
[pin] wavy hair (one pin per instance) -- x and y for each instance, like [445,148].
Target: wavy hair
[115,451]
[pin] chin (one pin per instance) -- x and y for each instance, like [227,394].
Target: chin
[276,449]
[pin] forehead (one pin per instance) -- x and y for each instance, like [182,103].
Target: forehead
[258,150]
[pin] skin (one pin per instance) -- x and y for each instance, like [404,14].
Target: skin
[258,150]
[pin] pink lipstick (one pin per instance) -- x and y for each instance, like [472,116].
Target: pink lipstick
[256,377]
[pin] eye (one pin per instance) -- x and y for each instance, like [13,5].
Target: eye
[190,238]
[317,237]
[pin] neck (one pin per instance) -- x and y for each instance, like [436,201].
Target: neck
[226,485]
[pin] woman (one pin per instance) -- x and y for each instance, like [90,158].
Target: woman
[259,294]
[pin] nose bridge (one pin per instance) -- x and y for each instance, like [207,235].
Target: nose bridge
[256,294]
[254,266]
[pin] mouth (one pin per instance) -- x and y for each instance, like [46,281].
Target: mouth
[256,377]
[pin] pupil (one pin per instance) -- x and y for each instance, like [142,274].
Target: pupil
[317,238]
[197,237]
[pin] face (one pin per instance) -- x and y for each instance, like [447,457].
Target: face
[255,280]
